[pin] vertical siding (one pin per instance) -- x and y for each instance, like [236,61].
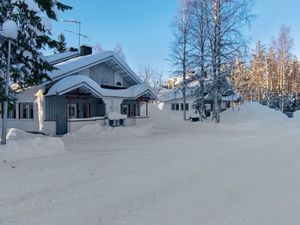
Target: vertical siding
[56,110]
[102,74]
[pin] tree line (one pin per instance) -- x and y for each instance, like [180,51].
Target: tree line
[271,75]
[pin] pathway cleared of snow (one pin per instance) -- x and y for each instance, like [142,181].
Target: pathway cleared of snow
[244,172]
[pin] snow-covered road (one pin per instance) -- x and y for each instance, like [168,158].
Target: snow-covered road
[237,173]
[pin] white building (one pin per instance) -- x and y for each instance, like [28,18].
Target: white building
[171,99]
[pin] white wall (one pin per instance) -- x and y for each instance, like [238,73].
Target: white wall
[113,104]
[167,107]
[31,125]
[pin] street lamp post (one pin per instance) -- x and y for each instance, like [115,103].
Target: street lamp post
[10,31]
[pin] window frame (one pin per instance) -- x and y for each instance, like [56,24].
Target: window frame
[173,106]
[29,110]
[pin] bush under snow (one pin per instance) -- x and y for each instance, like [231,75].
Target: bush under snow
[22,145]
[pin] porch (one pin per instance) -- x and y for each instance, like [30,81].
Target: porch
[77,100]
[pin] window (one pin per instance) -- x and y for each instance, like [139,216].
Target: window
[173,106]
[187,107]
[177,107]
[26,110]
[11,114]
[181,106]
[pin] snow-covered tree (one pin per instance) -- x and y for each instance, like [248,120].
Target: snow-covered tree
[284,46]
[200,53]
[240,77]
[258,73]
[97,48]
[119,50]
[61,46]
[151,76]
[225,21]
[181,48]
[33,18]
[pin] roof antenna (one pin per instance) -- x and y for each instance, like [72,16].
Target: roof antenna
[79,30]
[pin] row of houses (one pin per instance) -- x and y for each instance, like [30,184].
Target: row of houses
[86,87]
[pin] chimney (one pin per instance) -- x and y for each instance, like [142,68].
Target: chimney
[85,50]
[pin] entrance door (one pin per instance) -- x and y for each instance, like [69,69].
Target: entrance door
[72,111]
[125,110]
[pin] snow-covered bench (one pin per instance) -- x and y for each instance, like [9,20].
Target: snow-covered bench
[116,119]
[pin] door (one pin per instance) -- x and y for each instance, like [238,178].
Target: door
[125,110]
[86,110]
[72,111]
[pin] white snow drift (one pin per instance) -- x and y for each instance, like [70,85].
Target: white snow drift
[180,173]
[22,145]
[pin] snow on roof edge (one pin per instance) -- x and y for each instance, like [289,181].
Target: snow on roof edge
[75,64]
[72,82]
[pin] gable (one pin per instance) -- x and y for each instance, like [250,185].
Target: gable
[103,74]
[110,59]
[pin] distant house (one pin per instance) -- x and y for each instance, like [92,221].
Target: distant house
[171,97]
[83,90]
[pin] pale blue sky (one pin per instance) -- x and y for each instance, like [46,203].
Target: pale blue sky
[143,27]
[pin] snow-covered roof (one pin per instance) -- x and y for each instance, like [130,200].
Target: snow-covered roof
[70,83]
[111,58]
[232,98]
[176,93]
[60,57]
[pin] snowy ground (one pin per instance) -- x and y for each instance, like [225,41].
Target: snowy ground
[242,172]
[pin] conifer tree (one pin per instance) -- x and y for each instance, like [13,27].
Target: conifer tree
[61,46]
[33,18]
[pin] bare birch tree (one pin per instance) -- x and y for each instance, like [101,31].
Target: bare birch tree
[225,21]
[284,46]
[181,50]
[151,76]
[199,43]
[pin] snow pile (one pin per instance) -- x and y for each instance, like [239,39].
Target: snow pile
[22,145]
[251,112]
[107,132]
[297,115]
[116,116]
[10,29]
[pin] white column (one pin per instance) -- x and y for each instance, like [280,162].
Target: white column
[113,105]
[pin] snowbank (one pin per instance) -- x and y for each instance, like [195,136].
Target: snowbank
[107,132]
[297,115]
[116,116]
[22,145]
[251,112]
